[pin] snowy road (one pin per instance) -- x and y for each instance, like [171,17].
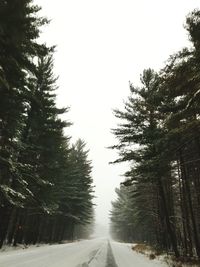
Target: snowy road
[90,253]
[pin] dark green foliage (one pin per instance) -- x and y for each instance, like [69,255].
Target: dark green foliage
[160,137]
[44,192]
[122,215]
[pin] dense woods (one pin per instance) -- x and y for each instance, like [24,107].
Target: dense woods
[46,186]
[159,134]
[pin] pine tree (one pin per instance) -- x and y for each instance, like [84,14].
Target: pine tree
[45,185]
[143,129]
[18,32]
[160,137]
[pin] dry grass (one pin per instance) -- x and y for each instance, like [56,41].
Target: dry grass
[152,256]
[181,262]
[170,259]
[145,250]
[141,248]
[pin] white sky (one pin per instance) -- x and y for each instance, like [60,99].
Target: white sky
[101,45]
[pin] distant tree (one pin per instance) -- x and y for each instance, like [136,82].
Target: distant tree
[122,215]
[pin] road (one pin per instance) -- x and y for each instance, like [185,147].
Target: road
[88,253]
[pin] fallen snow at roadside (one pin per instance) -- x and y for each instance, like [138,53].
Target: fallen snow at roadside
[126,257]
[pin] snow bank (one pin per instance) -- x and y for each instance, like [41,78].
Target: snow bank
[126,257]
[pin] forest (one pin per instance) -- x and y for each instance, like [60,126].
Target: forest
[46,187]
[159,135]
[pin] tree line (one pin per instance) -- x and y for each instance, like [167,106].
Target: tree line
[46,186]
[159,134]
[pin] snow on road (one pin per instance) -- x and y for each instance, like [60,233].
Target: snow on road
[89,253]
[66,255]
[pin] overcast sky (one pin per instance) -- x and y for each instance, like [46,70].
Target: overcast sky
[101,46]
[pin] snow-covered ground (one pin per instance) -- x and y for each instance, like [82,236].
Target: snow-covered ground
[126,257]
[88,253]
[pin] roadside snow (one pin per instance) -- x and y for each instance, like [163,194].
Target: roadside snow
[19,247]
[126,257]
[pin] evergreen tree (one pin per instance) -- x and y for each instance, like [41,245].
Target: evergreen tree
[143,128]
[160,137]
[43,192]
[18,32]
